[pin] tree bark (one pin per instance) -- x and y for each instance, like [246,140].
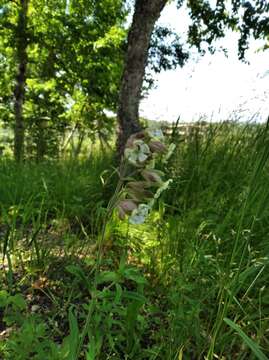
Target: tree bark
[145,16]
[19,91]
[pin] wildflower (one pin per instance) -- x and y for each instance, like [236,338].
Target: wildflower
[126,207]
[121,213]
[152,176]
[138,185]
[139,215]
[139,194]
[157,146]
[137,136]
[138,153]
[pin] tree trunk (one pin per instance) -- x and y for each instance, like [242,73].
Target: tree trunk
[22,42]
[145,16]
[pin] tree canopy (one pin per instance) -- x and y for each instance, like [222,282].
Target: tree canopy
[74,54]
[209,22]
[65,63]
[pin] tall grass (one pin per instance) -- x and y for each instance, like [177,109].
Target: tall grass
[204,251]
[209,248]
[70,188]
[46,207]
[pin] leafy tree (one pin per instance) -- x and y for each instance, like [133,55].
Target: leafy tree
[146,14]
[76,45]
[208,24]
[7,73]
[14,27]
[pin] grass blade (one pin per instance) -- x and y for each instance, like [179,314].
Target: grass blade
[247,340]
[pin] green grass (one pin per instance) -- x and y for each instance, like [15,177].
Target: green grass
[191,282]
[71,189]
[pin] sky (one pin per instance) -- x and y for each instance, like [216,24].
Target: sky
[211,86]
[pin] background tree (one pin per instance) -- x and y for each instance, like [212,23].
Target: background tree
[208,24]
[146,14]
[14,31]
[21,42]
[76,46]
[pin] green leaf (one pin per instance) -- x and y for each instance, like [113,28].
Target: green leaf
[118,294]
[73,337]
[91,351]
[3,298]
[18,302]
[108,276]
[79,274]
[131,295]
[133,274]
[247,340]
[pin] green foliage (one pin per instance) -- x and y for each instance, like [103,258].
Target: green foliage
[30,340]
[160,290]
[210,22]
[165,289]
[206,244]
[68,189]
[254,347]
[92,66]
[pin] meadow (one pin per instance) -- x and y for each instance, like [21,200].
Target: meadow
[190,283]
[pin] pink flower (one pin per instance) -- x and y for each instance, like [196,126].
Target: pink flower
[126,207]
[137,191]
[157,146]
[138,185]
[132,138]
[152,176]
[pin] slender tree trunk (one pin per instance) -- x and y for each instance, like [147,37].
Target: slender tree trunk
[22,42]
[145,16]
